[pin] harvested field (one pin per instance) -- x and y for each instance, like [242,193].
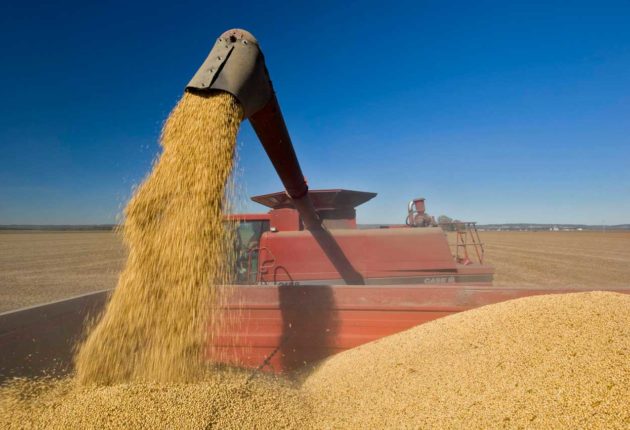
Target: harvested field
[37,267]
[555,259]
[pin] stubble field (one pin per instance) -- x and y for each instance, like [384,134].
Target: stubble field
[554,259]
[38,267]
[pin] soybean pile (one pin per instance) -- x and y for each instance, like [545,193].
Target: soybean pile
[155,325]
[556,361]
[221,400]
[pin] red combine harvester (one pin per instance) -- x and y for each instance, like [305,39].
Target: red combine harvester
[276,249]
[306,293]
[312,283]
[309,281]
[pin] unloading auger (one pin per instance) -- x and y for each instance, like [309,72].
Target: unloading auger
[236,65]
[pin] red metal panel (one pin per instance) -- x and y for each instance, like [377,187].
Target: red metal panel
[374,253]
[285,219]
[308,323]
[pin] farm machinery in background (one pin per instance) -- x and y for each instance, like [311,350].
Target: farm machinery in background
[277,249]
[309,281]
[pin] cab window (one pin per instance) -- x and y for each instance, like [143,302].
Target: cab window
[247,237]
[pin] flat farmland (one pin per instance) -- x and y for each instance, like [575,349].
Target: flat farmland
[555,259]
[37,267]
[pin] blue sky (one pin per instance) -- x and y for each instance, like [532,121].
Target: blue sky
[493,111]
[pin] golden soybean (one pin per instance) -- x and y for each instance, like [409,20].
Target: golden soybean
[554,361]
[154,327]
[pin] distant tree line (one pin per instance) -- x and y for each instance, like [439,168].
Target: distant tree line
[449,224]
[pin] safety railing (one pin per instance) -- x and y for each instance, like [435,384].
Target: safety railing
[468,247]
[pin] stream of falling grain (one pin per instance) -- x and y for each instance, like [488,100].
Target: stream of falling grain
[154,327]
[141,366]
